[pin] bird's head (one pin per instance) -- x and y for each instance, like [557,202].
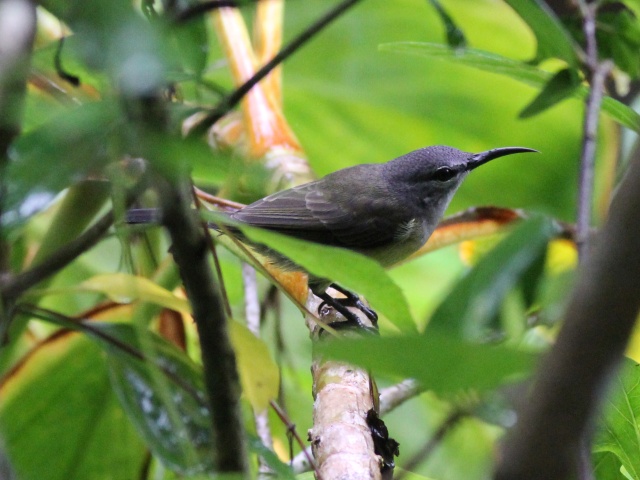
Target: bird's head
[429,177]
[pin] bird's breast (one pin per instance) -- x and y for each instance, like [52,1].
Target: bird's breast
[408,238]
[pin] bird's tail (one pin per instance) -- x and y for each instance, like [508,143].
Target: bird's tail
[136,216]
[153,216]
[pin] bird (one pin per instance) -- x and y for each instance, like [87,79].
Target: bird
[385,211]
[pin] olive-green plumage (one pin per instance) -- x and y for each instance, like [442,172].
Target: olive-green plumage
[384,211]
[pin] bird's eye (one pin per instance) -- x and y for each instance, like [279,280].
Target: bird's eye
[443,174]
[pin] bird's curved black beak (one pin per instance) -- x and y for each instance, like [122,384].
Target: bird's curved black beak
[483,157]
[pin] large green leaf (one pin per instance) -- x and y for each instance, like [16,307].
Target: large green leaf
[169,409]
[437,361]
[59,418]
[514,69]
[349,269]
[56,155]
[553,39]
[476,299]
[619,428]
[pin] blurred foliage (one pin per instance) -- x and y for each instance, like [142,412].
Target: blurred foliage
[74,408]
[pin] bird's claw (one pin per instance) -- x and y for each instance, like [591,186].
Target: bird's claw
[352,319]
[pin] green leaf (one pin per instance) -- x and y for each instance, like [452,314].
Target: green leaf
[437,361]
[554,41]
[514,69]
[476,299]
[280,469]
[169,411]
[620,424]
[59,418]
[606,466]
[125,288]
[349,269]
[190,44]
[258,372]
[560,87]
[55,156]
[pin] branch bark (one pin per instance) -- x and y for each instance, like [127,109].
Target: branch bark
[189,248]
[545,444]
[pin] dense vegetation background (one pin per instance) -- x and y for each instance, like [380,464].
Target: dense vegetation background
[77,402]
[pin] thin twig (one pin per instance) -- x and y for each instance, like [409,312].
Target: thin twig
[395,395]
[292,428]
[251,298]
[201,8]
[219,202]
[227,103]
[60,70]
[425,452]
[252,315]
[16,286]
[598,73]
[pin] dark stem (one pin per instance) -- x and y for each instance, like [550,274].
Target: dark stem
[234,98]
[189,249]
[13,287]
[214,253]
[60,70]
[202,8]
[546,442]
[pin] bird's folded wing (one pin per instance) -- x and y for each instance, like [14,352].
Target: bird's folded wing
[311,213]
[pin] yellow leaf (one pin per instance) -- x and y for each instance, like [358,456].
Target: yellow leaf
[125,288]
[258,372]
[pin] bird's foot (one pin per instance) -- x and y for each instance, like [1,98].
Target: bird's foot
[352,320]
[353,300]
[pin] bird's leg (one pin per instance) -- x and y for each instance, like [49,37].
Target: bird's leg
[352,300]
[352,318]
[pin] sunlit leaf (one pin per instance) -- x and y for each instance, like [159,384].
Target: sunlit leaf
[437,361]
[476,299]
[620,424]
[553,39]
[258,372]
[58,414]
[514,69]
[125,288]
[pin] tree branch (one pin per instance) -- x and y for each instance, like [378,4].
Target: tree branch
[12,288]
[189,248]
[545,442]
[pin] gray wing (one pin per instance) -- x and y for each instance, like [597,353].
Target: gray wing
[327,212]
